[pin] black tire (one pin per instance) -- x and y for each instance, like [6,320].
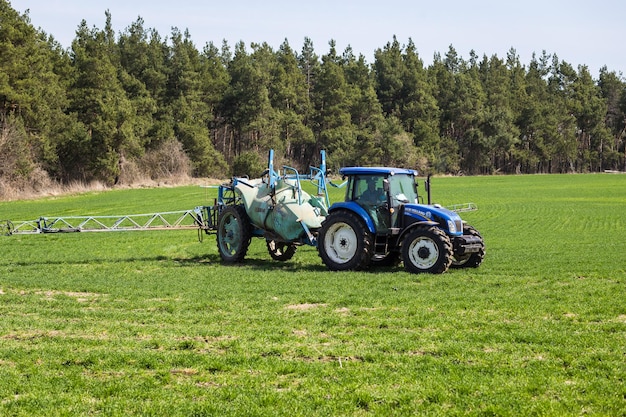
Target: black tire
[470,260]
[427,249]
[234,233]
[344,243]
[281,251]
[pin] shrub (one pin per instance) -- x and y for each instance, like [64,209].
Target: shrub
[166,161]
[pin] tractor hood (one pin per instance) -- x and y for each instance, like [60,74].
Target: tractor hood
[447,219]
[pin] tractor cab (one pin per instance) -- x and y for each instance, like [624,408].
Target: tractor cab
[381,192]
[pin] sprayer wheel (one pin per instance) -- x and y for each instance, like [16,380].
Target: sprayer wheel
[234,233]
[281,251]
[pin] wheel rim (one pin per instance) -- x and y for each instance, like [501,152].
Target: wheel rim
[340,243]
[230,235]
[423,252]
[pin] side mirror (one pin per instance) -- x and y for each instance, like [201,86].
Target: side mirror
[386,186]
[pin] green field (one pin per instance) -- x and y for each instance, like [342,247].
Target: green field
[150,323]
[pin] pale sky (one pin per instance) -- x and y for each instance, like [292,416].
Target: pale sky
[592,33]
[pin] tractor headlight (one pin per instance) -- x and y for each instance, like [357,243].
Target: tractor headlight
[451,226]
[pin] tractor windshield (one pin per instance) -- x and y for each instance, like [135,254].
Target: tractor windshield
[402,189]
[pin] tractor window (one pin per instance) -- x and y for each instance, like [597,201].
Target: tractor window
[369,193]
[369,190]
[348,195]
[402,189]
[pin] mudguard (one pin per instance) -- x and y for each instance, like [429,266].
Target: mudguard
[356,209]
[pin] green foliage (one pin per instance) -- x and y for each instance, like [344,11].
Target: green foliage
[110,99]
[99,100]
[289,97]
[248,164]
[32,93]
[151,323]
[17,164]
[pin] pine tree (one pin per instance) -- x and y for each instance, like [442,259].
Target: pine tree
[500,134]
[589,109]
[309,64]
[462,100]
[536,121]
[420,112]
[289,97]
[365,110]
[264,131]
[332,121]
[214,80]
[563,141]
[613,90]
[99,100]
[185,102]
[245,100]
[28,80]
[133,68]
[388,71]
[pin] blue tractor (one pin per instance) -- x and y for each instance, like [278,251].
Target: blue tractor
[381,222]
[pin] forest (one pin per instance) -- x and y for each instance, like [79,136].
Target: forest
[117,107]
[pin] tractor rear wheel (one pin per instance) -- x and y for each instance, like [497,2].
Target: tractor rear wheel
[281,251]
[470,260]
[234,233]
[427,250]
[344,243]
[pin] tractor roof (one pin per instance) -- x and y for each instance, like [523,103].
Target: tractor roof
[376,171]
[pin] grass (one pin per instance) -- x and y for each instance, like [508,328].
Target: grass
[150,323]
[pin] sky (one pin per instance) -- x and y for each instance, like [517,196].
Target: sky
[591,33]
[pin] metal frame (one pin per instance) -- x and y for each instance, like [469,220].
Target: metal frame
[202,217]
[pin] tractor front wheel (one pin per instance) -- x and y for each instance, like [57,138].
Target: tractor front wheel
[344,243]
[427,250]
[234,233]
[281,251]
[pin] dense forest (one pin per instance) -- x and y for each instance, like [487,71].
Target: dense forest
[115,107]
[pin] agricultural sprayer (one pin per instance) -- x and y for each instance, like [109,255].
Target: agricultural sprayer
[381,221]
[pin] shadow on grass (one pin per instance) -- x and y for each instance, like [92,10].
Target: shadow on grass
[268,264]
[91,261]
[200,260]
[251,263]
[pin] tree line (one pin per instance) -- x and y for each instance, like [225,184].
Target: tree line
[100,107]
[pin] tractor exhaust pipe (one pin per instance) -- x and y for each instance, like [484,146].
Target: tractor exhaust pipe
[427,186]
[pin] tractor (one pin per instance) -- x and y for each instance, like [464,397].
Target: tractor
[381,222]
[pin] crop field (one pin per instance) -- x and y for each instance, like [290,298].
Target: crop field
[151,323]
